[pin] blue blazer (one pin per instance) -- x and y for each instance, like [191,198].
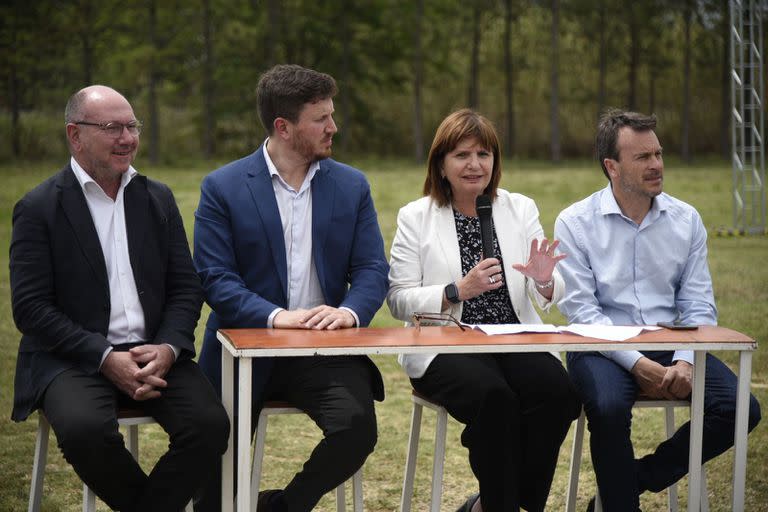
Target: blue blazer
[239,251]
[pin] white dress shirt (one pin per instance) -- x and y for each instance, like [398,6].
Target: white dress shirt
[126,317]
[295,207]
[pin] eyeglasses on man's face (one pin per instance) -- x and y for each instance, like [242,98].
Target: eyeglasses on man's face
[114,129]
[421,318]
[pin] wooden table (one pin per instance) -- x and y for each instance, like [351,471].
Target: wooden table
[244,344]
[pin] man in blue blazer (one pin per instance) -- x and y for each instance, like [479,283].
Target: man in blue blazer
[288,238]
[107,299]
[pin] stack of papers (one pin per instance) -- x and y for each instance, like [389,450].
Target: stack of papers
[602,332]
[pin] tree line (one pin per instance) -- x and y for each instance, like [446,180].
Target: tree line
[542,70]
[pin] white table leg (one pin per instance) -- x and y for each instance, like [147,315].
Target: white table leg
[244,435]
[227,398]
[697,430]
[741,433]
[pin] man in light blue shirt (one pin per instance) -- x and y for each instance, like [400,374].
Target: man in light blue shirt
[637,256]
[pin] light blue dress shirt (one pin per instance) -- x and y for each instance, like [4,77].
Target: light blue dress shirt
[619,273]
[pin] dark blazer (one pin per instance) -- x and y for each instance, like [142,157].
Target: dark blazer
[240,251]
[59,284]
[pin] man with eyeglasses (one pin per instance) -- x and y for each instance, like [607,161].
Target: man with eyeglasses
[106,298]
[287,238]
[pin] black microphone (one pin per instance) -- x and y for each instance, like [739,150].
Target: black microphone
[483,207]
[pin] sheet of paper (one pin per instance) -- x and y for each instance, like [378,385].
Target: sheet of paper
[608,332]
[492,329]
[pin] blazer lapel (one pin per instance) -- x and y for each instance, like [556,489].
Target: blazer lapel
[136,207]
[323,193]
[76,209]
[260,184]
[508,231]
[447,238]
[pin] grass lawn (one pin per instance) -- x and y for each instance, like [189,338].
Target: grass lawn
[739,267]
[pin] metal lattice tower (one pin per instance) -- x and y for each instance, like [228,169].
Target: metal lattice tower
[747,114]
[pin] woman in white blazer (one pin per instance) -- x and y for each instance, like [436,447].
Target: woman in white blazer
[517,408]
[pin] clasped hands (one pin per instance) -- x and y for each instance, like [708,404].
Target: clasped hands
[670,382]
[487,274]
[318,318]
[139,372]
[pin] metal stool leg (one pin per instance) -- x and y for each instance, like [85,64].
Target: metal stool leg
[441,430]
[38,466]
[410,458]
[669,421]
[573,472]
[258,456]
[357,491]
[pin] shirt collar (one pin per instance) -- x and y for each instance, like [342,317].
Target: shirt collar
[84,178]
[609,206]
[313,167]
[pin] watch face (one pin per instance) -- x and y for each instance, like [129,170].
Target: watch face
[452,293]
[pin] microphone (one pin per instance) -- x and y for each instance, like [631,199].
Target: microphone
[483,207]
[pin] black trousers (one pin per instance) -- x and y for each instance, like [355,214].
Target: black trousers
[517,409]
[81,409]
[336,392]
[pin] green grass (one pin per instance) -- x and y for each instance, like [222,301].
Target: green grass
[739,268]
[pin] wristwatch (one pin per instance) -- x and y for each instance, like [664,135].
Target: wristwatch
[452,293]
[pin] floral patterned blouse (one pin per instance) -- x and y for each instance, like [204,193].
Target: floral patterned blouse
[493,306]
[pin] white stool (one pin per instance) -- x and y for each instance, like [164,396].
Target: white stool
[441,428]
[272,408]
[130,418]
[578,440]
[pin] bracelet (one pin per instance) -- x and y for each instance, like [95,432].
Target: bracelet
[544,286]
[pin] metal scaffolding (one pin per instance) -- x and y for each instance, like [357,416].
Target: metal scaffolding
[747,114]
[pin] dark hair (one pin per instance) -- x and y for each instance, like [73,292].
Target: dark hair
[283,90]
[608,132]
[462,124]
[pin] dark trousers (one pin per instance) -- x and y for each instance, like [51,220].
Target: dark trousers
[609,391]
[82,408]
[517,409]
[336,392]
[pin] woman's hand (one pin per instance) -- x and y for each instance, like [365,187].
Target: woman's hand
[541,262]
[485,276]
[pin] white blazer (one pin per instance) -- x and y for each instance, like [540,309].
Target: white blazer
[425,258]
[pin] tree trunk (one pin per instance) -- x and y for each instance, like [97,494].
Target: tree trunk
[345,85]
[509,136]
[154,122]
[554,97]
[418,80]
[634,57]
[86,40]
[474,62]
[685,118]
[15,88]
[603,65]
[209,99]
[273,31]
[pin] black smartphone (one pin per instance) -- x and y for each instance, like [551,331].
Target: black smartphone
[678,327]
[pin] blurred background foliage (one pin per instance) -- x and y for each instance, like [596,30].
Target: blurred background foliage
[542,70]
